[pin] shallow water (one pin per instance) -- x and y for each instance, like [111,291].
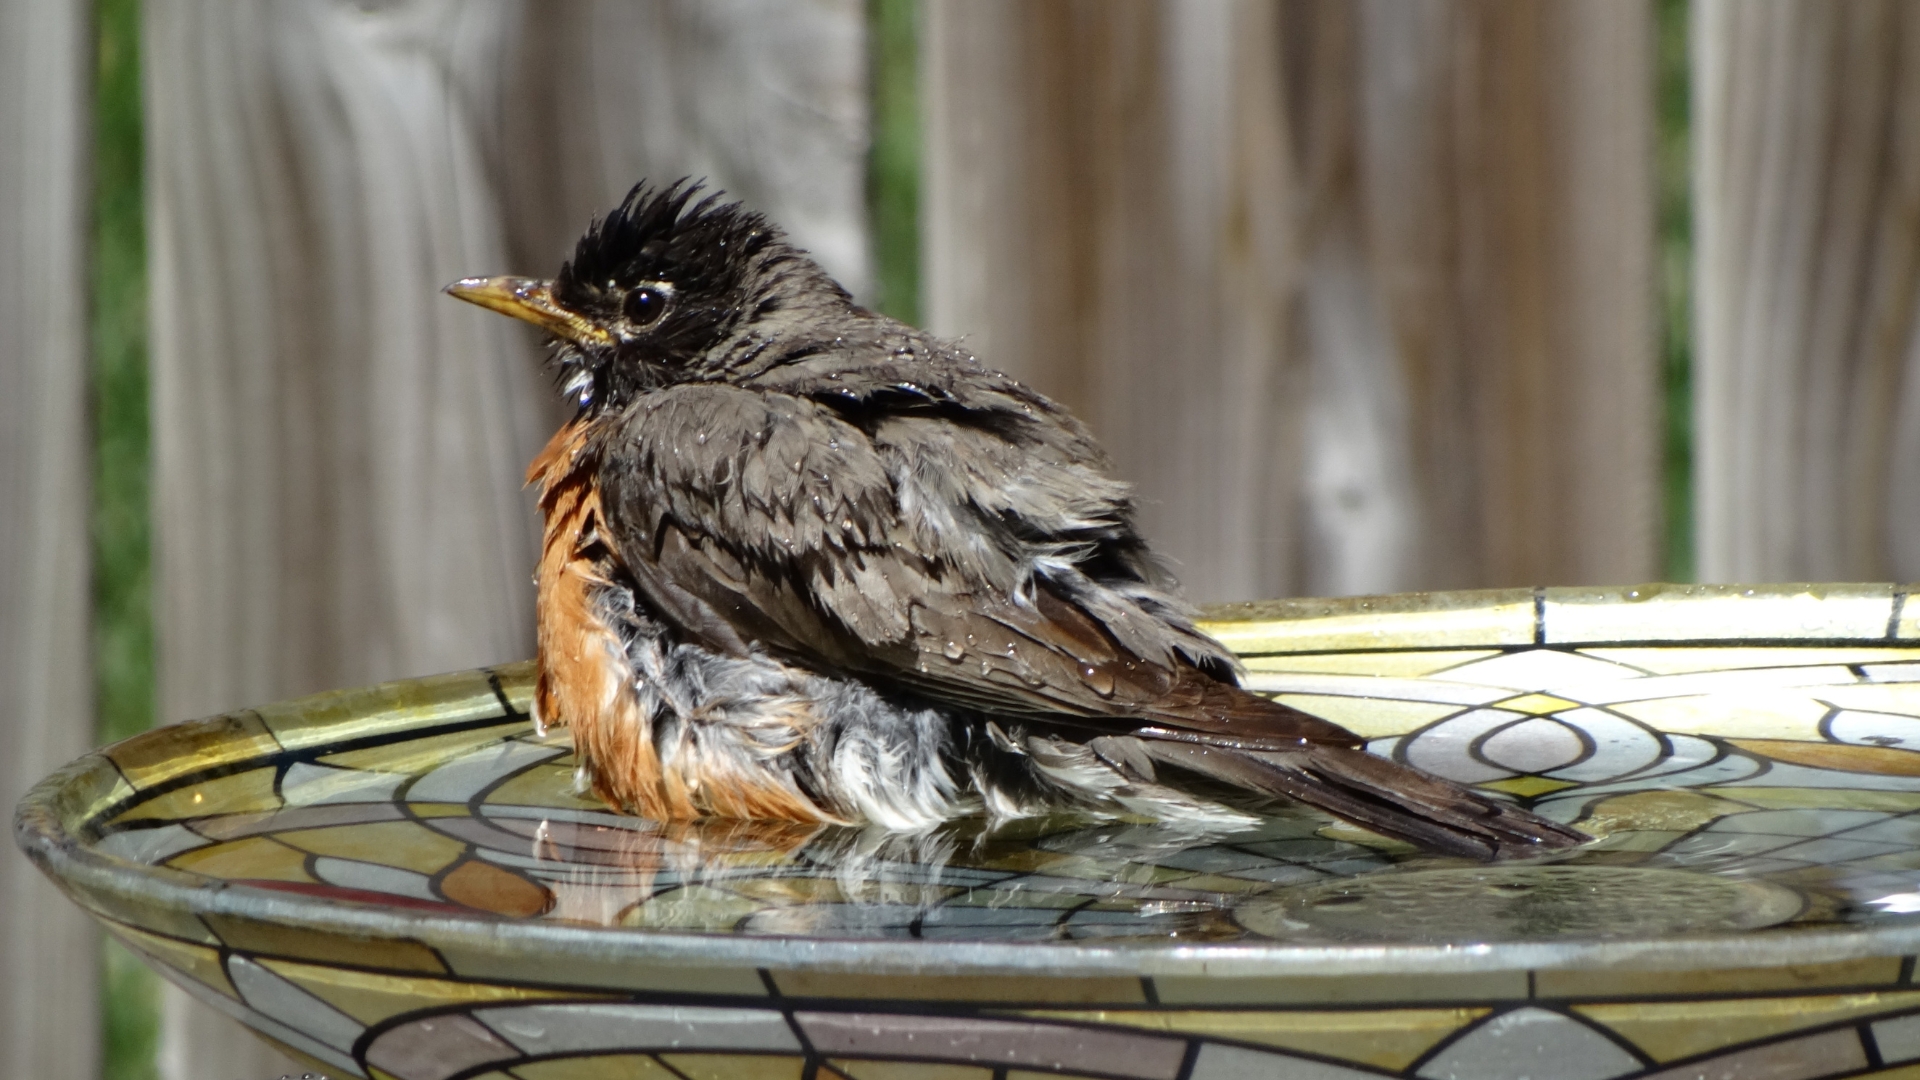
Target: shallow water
[485,821]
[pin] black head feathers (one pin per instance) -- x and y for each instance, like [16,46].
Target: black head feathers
[664,235]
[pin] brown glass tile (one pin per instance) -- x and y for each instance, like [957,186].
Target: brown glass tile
[485,887]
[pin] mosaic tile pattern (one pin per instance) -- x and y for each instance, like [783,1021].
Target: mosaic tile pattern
[401,883]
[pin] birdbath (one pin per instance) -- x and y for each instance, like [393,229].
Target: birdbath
[400,882]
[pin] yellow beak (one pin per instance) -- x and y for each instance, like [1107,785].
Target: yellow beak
[532,300]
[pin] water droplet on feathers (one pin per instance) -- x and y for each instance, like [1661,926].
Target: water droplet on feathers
[953,650]
[701,438]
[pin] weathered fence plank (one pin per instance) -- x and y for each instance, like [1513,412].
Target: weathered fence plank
[49,954]
[1360,294]
[338,447]
[1807,286]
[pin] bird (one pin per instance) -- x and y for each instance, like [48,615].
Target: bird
[802,561]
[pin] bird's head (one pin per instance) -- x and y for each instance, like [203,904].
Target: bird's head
[664,289]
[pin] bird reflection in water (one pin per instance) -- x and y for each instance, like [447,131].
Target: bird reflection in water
[963,879]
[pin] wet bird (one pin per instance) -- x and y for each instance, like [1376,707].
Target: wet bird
[802,561]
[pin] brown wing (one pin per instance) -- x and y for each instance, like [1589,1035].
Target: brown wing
[746,517]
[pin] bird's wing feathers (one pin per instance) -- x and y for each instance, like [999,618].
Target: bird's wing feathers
[944,556]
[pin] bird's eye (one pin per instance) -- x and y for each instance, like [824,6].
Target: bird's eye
[644,305]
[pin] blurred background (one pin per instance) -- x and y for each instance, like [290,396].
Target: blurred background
[1365,295]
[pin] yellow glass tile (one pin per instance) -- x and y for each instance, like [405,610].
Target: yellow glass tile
[1778,714]
[1615,982]
[1370,718]
[406,844]
[417,755]
[516,681]
[198,961]
[341,715]
[438,809]
[242,793]
[1527,786]
[1408,664]
[1707,612]
[1782,798]
[1029,1074]
[736,1066]
[1536,704]
[1667,1030]
[164,753]
[544,785]
[861,1069]
[1877,760]
[266,939]
[534,968]
[371,997]
[257,857]
[1682,660]
[1489,618]
[597,1067]
[1388,1038]
[1340,989]
[1899,698]
[1671,811]
[1116,989]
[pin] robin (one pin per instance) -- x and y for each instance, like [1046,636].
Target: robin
[802,561]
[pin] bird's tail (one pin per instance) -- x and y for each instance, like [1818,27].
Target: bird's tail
[1384,796]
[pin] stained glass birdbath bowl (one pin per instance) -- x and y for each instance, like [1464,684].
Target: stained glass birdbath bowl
[399,882]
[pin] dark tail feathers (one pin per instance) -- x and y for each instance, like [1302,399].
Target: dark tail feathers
[1391,799]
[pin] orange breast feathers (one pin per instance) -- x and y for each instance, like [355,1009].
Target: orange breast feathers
[588,683]
[585,679]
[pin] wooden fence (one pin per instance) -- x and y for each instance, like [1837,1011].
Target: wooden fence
[1361,294]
